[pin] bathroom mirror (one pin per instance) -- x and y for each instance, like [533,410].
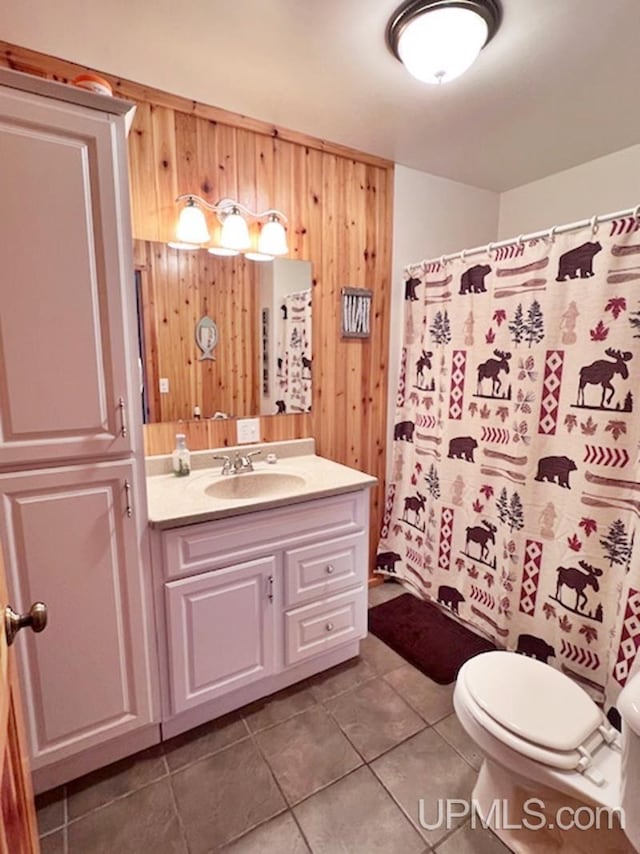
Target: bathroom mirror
[221,336]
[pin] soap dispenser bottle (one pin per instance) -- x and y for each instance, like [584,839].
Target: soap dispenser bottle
[181,457]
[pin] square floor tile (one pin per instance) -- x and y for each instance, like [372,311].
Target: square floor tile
[374,718]
[50,810]
[307,752]
[468,840]
[345,676]
[380,656]
[225,795]
[281,835]
[425,768]
[430,700]
[452,731]
[356,816]
[54,843]
[144,821]
[384,592]
[279,707]
[204,740]
[102,786]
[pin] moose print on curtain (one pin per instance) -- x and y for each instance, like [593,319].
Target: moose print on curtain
[294,353]
[514,499]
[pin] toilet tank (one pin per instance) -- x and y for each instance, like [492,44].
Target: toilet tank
[629,707]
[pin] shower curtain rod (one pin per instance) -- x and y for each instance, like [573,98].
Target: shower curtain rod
[549,233]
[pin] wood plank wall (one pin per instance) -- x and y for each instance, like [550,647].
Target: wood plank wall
[339,204]
[176,290]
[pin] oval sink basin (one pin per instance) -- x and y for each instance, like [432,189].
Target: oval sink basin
[259,484]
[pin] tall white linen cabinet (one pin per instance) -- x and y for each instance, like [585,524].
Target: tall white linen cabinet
[73,503]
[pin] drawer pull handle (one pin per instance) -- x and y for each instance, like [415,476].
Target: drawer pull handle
[270,588]
[329,627]
[329,569]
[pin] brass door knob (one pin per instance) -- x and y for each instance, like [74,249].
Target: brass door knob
[36,618]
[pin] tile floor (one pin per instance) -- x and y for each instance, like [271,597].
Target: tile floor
[334,764]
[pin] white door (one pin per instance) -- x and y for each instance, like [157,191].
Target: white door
[71,541]
[18,831]
[63,267]
[220,629]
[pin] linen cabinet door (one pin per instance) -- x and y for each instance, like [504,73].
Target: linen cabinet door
[66,262]
[71,543]
[220,628]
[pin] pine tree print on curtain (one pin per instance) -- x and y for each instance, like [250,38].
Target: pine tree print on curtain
[515,492]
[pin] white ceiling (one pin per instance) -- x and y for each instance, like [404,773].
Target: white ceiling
[556,87]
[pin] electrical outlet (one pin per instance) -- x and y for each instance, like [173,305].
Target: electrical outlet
[164,385]
[248,430]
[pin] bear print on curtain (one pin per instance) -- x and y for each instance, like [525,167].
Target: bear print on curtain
[515,497]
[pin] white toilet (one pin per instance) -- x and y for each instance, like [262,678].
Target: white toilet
[544,738]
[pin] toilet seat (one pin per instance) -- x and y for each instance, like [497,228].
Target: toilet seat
[536,710]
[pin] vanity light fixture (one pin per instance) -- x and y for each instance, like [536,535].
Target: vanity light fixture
[438,40]
[192,231]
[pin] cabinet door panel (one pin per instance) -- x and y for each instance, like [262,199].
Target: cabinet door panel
[62,363]
[71,544]
[220,631]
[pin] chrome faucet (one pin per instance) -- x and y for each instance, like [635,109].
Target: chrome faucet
[241,462]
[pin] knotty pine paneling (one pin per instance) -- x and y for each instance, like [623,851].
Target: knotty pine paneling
[339,205]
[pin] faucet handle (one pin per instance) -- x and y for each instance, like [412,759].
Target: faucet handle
[254,453]
[226,467]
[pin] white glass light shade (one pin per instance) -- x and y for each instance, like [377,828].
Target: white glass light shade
[221,250]
[173,244]
[258,256]
[235,232]
[273,238]
[192,225]
[442,44]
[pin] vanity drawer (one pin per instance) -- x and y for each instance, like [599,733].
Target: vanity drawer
[196,548]
[322,569]
[314,629]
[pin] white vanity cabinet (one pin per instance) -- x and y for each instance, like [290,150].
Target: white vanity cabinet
[258,601]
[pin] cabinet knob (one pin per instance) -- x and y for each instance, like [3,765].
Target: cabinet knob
[329,569]
[329,627]
[36,618]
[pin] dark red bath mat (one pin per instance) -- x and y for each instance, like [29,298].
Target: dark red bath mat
[425,637]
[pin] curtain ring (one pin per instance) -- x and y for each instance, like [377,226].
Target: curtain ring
[489,248]
[464,252]
[552,233]
[443,260]
[520,240]
[636,213]
[594,224]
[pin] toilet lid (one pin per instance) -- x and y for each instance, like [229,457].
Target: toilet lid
[532,700]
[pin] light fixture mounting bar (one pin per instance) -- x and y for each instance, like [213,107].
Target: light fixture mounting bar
[226,206]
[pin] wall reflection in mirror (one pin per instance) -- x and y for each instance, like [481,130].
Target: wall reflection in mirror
[220,336]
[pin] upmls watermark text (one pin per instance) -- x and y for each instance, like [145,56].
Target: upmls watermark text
[502,816]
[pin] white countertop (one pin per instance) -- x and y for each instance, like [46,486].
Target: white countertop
[175,501]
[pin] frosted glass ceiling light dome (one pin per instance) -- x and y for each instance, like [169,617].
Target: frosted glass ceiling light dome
[438,40]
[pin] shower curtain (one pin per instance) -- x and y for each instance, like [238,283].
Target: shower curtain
[515,496]
[294,353]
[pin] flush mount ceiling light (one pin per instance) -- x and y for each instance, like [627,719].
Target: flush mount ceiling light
[192,230]
[437,40]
